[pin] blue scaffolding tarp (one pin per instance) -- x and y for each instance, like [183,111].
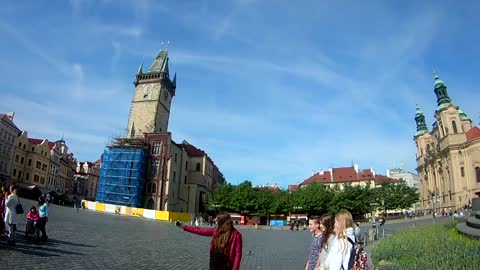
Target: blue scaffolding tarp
[122,177]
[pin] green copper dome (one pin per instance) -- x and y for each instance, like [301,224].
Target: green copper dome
[438,81]
[463,115]
[418,112]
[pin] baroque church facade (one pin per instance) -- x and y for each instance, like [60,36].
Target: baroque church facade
[448,156]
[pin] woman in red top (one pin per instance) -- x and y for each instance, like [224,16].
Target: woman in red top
[226,244]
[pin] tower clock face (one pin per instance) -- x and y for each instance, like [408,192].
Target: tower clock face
[146,90]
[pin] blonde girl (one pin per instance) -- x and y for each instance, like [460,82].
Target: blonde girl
[339,253]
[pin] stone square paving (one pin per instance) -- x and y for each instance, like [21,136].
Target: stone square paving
[91,240]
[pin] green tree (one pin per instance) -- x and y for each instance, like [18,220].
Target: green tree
[264,199]
[313,199]
[392,196]
[356,199]
[221,199]
[243,198]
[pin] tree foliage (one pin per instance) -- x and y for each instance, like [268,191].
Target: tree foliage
[313,199]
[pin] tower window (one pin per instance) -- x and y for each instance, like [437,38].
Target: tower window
[154,169]
[477,173]
[156,148]
[462,171]
[197,168]
[454,126]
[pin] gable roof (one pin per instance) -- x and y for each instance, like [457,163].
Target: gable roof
[35,141]
[319,177]
[9,121]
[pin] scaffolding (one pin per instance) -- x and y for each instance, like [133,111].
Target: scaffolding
[122,176]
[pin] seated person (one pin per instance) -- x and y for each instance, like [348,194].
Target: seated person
[32,220]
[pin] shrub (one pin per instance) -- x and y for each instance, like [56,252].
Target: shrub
[437,246]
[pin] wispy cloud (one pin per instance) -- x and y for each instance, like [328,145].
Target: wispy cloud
[269,89]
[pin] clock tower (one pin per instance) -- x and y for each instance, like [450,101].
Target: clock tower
[154,90]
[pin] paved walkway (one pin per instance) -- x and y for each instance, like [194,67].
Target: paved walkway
[91,240]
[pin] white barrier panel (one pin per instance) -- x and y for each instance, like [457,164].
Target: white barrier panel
[91,205]
[123,210]
[148,213]
[110,208]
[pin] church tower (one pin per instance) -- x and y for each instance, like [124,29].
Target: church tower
[154,90]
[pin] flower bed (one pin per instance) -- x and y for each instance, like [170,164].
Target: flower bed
[437,246]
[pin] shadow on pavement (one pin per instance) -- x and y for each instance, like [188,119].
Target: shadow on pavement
[55,242]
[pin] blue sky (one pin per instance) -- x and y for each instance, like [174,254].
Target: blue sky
[272,90]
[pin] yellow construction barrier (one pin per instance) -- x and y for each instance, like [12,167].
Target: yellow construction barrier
[139,212]
[162,215]
[100,207]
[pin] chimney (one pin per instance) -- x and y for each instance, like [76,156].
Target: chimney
[10,115]
[355,167]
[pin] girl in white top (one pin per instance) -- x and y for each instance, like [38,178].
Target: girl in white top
[339,254]
[11,214]
[326,226]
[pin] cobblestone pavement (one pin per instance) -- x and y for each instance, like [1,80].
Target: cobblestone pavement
[90,240]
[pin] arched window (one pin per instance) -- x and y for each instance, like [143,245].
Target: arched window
[197,168]
[454,126]
[154,188]
[150,203]
[477,173]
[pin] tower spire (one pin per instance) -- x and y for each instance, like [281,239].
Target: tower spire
[174,81]
[443,100]
[420,120]
[140,69]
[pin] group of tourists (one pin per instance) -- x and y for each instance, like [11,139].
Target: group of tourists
[334,245]
[11,207]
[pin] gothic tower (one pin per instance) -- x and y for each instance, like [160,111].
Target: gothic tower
[154,90]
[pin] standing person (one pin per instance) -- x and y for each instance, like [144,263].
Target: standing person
[315,248]
[11,214]
[2,209]
[339,254]
[327,227]
[75,203]
[226,244]
[43,211]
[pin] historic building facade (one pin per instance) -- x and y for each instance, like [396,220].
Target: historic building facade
[398,173]
[342,176]
[448,156]
[85,179]
[178,177]
[8,133]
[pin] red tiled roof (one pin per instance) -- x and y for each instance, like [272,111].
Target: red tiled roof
[365,174]
[51,145]
[35,141]
[380,179]
[345,173]
[292,187]
[193,151]
[7,119]
[319,178]
[473,133]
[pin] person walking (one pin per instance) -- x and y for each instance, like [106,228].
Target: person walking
[11,214]
[43,211]
[226,245]
[339,255]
